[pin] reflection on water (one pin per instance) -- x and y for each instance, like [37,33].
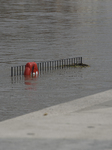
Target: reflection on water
[51,30]
[28,80]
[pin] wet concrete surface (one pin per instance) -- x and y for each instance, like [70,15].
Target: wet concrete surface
[81,124]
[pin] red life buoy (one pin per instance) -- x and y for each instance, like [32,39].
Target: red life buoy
[31,69]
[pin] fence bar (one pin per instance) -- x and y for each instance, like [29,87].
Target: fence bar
[19,70]
[50,65]
[46,66]
[11,71]
[81,60]
[72,61]
[40,67]
[57,64]
[54,65]
[62,63]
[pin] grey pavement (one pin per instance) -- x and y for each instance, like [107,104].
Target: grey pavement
[81,124]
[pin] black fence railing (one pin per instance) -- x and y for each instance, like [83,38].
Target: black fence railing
[48,65]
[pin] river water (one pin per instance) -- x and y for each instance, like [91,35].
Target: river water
[43,30]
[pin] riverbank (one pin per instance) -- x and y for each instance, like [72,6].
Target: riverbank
[84,123]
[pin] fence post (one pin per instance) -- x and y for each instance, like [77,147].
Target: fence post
[11,71]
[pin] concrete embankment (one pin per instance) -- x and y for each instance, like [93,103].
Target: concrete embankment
[83,124]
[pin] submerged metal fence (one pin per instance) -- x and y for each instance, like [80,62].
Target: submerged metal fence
[48,65]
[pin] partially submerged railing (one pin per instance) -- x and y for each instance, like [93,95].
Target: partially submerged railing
[48,65]
[17,70]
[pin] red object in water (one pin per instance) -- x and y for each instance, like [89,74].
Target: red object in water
[31,69]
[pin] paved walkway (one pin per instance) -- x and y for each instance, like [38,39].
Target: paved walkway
[81,124]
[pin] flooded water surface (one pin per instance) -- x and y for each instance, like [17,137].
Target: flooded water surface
[44,30]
